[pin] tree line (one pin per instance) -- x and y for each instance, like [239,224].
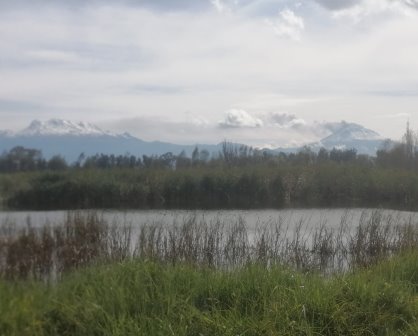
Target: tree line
[20,159]
[236,177]
[400,155]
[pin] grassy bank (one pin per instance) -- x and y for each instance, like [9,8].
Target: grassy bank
[90,277]
[148,298]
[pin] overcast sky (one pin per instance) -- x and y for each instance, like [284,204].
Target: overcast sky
[263,72]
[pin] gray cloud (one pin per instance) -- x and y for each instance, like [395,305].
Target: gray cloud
[106,60]
[286,120]
[17,105]
[252,7]
[411,3]
[288,25]
[184,132]
[338,4]
[400,115]
[236,118]
[75,53]
[172,4]
[342,4]
[157,89]
[394,93]
[169,5]
[255,7]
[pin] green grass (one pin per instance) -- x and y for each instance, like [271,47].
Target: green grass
[145,298]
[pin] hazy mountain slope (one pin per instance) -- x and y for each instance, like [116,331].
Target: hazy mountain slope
[71,139]
[344,135]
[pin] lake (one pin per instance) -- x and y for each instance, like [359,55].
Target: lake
[328,240]
[289,218]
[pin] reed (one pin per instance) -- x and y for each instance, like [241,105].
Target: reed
[86,238]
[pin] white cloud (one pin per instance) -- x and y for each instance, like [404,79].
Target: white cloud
[219,5]
[400,115]
[412,3]
[374,9]
[285,120]
[54,56]
[236,118]
[196,120]
[288,24]
[73,64]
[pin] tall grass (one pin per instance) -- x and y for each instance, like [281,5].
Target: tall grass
[148,298]
[87,238]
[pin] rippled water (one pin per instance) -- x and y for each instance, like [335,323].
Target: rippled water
[306,218]
[328,240]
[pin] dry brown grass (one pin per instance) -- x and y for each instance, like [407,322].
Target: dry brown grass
[86,238]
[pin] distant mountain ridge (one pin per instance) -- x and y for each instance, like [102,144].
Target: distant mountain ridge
[350,135]
[60,127]
[344,135]
[70,139]
[344,131]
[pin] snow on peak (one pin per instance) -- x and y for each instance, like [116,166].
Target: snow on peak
[344,131]
[62,127]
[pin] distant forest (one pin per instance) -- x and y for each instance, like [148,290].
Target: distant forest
[238,177]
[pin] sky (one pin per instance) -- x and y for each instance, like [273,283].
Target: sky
[262,72]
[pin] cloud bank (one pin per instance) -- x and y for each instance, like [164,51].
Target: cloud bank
[285,120]
[100,61]
[288,24]
[338,4]
[236,118]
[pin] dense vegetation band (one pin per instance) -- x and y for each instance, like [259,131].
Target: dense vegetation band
[236,177]
[259,186]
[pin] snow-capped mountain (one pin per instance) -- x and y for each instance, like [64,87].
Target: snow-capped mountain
[70,139]
[61,127]
[344,135]
[344,131]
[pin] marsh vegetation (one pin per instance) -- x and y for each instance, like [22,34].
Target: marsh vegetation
[85,274]
[236,178]
[86,238]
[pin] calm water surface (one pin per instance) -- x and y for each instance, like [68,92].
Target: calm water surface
[307,218]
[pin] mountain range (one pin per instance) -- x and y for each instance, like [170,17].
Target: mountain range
[70,139]
[344,135]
